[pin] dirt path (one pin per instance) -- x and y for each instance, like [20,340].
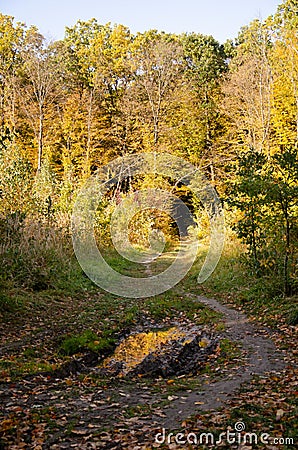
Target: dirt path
[78,409]
[261,357]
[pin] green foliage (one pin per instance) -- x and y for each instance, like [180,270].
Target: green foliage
[248,194]
[88,340]
[266,191]
[205,58]
[234,282]
[15,179]
[205,65]
[35,255]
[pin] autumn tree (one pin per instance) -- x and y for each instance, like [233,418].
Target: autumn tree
[11,38]
[284,62]
[39,86]
[261,102]
[202,125]
[98,71]
[248,90]
[158,67]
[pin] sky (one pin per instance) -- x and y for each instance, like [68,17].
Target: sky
[220,18]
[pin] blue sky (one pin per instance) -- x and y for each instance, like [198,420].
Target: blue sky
[221,18]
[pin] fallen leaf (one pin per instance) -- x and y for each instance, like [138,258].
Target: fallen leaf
[279,414]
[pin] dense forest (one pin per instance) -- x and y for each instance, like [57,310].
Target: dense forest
[212,356]
[68,107]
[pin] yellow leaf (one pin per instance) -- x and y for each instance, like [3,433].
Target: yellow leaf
[204,343]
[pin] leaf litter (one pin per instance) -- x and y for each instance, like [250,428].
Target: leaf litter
[84,410]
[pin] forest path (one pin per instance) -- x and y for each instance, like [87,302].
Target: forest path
[76,410]
[261,357]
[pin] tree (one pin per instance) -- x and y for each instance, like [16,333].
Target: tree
[158,65]
[15,181]
[248,194]
[265,191]
[284,196]
[205,65]
[284,61]
[98,69]
[248,90]
[39,85]
[11,38]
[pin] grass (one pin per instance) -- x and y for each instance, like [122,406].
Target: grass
[82,317]
[18,367]
[138,410]
[85,341]
[171,304]
[54,313]
[74,316]
[9,304]
[233,282]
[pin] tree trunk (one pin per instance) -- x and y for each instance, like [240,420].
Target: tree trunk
[287,287]
[40,138]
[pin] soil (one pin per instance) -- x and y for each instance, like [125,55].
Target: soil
[261,357]
[74,402]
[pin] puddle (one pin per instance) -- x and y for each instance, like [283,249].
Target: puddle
[138,348]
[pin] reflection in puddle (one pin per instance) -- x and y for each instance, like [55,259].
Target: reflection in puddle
[136,347]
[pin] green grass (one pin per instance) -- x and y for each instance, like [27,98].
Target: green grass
[232,281]
[292,318]
[171,303]
[19,367]
[82,317]
[85,341]
[85,318]
[10,304]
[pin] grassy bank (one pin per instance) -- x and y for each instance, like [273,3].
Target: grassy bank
[234,282]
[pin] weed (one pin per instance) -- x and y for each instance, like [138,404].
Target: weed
[137,410]
[220,326]
[29,353]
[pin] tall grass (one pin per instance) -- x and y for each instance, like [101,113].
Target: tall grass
[35,253]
